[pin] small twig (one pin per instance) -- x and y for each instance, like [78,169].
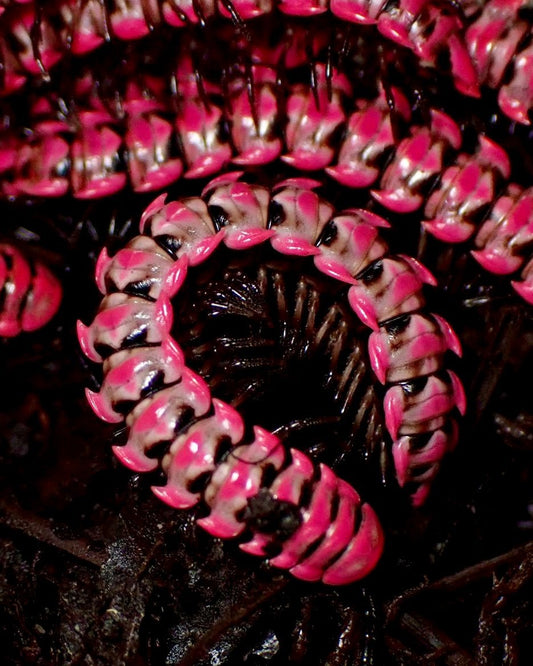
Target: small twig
[482,569]
[435,639]
[464,577]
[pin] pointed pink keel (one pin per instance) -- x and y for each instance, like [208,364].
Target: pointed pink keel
[452,340]
[393,407]
[293,246]
[524,289]
[334,269]
[101,408]
[134,459]
[241,239]
[102,264]
[379,358]
[363,306]
[83,333]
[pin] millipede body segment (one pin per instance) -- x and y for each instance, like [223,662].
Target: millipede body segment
[30,294]
[296,512]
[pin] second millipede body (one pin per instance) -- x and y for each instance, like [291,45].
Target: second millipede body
[461,194]
[480,44]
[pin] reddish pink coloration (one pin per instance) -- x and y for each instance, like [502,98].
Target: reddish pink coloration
[516,98]
[368,135]
[417,458]
[184,229]
[8,152]
[41,162]
[410,346]
[479,43]
[466,188]
[148,140]
[188,11]
[498,42]
[246,9]
[125,321]
[298,216]
[303,7]
[43,167]
[142,268]
[21,60]
[340,536]
[313,117]
[350,243]
[416,161]
[362,553]
[198,123]
[30,295]
[358,11]
[524,286]
[157,418]
[288,486]
[423,404]
[193,454]
[148,386]
[131,374]
[84,26]
[241,210]
[294,46]
[254,113]
[86,157]
[493,39]
[238,478]
[431,32]
[95,156]
[132,19]
[389,287]
[505,236]
[315,522]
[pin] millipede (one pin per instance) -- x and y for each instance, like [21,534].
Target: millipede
[464,195]
[295,275]
[419,408]
[30,294]
[484,44]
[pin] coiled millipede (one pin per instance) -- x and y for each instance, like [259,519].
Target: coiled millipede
[147,384]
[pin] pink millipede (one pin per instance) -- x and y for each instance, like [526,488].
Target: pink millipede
[485,44]
[30,294]
[131,336]
[162,136]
